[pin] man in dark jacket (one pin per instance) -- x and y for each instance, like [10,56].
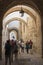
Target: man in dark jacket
[7,52]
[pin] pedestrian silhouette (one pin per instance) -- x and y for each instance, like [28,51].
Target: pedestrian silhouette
[7,52]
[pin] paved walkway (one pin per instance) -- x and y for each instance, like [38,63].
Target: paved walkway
[26,59]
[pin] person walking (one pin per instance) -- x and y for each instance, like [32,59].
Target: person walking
[27,46]
[16,50]
[31,44]
[7,52]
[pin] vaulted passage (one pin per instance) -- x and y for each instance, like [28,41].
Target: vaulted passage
[25,25]
[21,21]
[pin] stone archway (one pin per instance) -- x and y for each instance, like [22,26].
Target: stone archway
[16,31]
[20,3]
[35,15]
[13,19]
[5,33]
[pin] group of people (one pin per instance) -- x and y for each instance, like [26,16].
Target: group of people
[29,46]
[15,47]
[10,48]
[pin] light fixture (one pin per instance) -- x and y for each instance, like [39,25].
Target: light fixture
[21,12]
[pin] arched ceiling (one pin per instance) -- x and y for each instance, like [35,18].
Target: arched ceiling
[13,29]
[26,9]
[38,5]
[14,19]
[17,14]
[30,2]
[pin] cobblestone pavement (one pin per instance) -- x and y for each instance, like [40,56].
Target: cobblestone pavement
[25,59]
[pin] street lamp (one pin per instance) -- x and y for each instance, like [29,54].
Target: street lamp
[21,12]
